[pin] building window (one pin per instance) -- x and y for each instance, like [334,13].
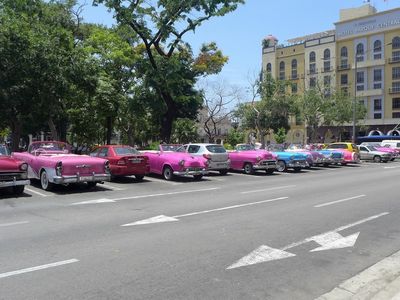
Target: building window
[327,54]
[396,87]
[360,77]
[343,57]
[269,68]
[395,56]
[294,69]
[343,79]
[327,81]
[282,70]
[345,90]
[378,75]
[377,104]
[377,86]
[377,49]
[395,103]
[312,57]
[360,87]
[313,82]
[294,88]
[396,43]
[360,52]
[396,115]
[327,65]
[313,69]
[377,116]
[396,73]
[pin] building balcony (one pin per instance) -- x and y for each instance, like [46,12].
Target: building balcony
[312,72]
[394,90]
[369,93]
[294,77]
[343,67]
[369,63]
[394,59]
[326,70]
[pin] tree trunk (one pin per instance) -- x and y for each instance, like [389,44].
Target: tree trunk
[109,130]
[168,118]
[129,133]
[53,129]
[15,134]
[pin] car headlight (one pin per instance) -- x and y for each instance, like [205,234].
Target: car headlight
[182,162]
[258,158]
[107,167]
[23,167]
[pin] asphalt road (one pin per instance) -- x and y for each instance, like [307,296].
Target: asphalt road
[281,236]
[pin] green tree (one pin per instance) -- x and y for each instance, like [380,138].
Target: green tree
[235,136]
[184,131]
[161,26]
[280,136]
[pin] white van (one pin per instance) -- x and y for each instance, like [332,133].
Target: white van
[393,144]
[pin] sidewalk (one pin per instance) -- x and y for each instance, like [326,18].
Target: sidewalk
[379,282]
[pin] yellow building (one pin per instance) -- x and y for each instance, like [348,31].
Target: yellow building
[360,56]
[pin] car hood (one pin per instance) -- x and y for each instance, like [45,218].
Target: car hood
[8,163]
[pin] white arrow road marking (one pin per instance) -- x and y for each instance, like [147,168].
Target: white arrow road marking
[160,219]
[334,240]
[14,223]
[269,189]
[338,201]
[42,267]
[261,254]
[142,196]
[328,240]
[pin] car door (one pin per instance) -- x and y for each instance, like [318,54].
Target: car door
[364,153]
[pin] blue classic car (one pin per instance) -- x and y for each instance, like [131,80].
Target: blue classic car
[289,160]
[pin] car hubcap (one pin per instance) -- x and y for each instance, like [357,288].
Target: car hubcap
[167,173]
[281,166]
[44,181]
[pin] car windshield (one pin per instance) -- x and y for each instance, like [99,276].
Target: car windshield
[276,148]
[295,147]
[245,147]
[50,147]
[125,150]
[4,150]
[216,149]
[166,147]
[372,148]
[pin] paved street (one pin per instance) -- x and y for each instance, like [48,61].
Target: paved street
[283,236]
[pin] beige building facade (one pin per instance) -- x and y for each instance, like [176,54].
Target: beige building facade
[361,56]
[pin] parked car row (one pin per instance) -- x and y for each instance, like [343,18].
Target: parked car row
[52,163]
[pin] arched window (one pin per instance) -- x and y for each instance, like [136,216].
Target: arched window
[282,70]
[377,46]
[269,67]
[327,54]
[377,49]
[312,57]
[294,69]
[360,52]
[396,43]
[343,52]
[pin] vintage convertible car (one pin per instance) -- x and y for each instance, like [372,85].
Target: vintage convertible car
[247,158]
[331,157]
[13,172]
[124,160]
[368,152]
[349,157]
[287,160]
[218,158]
[52,163]
[169,163]
[314,158]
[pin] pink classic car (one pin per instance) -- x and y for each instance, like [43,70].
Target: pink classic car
[13,172]
[246,158]
[52,163]
[168,162]
[349,157]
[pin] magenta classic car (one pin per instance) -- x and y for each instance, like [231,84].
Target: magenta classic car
[13,172]
[52,163]
[246,158]
[349,157]
[169,163]
[314,158]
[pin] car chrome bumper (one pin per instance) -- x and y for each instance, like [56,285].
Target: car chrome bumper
[190,172]
[219,166]
[296,164]
[4,184]
[79,178]
[265,166]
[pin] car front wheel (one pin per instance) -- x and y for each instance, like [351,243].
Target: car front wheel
[377,159]
[248,168]
[19,189]
[44,181]
[197,177]
[139,177]
[281,166]
[168,173]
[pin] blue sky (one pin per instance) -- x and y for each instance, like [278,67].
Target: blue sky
[240,33]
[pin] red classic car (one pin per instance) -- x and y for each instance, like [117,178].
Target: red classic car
[52,163]
[168,162]
[124,160]
[13,172]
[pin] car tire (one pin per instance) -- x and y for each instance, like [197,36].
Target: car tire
[168,174]
[223,172]
[377,159]
[281,166]
[19,189]
[297,169]
[197,177]
[270,171]
[45,184]
[91,184]
[248,169]
[139,177]
[344,164]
